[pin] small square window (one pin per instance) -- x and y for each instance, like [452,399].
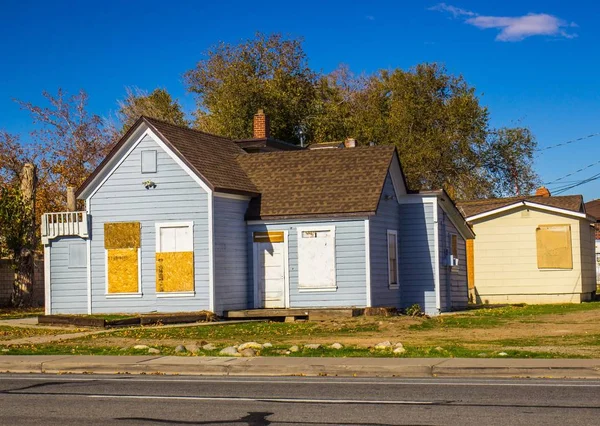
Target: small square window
[149,161]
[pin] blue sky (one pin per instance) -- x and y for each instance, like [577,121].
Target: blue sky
[531,61]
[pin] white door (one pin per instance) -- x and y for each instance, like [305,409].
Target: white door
[271,274]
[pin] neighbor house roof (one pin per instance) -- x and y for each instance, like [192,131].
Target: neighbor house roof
[211,157]
[471,208]
[593,208]
[318,182]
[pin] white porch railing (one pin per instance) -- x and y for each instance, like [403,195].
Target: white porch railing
[64,224]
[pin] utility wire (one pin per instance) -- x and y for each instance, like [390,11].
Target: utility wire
[572,173]
[565,188]
[541,150]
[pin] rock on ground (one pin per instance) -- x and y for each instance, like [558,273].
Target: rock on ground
[336,346]
[312,346]
[248,352]
[180,348]
[267,345]
[294,348]
[383,345]
[229,351]
[251,345]
[399,350]
[140,347]
[209,347]
[153,351]
[191,348]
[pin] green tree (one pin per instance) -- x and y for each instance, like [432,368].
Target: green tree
[234,81]
[159,104]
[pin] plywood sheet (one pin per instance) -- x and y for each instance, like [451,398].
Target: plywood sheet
[123,270]
[554,250]
[471,264]
[175,271]
[122,235]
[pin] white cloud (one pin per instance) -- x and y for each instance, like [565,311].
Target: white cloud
[512,28]
[455,11]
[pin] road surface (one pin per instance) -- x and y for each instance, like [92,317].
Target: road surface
[161,400]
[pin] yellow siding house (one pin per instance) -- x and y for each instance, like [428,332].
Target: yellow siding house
[537,249]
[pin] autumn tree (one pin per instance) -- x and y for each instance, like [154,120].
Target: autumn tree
[233,81]
[159,104]
[70,141]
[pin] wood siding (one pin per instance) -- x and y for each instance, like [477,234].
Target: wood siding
[231,255]
[69,285]
[454,291]
[417,256]
[505,255]
[123,198]
[387,217]
[349,261]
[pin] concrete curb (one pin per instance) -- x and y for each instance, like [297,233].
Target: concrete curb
[340,367]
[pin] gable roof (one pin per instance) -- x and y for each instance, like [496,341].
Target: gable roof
[471,208]
[593,208]
[324,182]
[212,158]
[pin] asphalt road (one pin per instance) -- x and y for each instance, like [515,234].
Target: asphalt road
[159,400]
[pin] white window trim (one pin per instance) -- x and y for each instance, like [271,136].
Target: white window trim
[396,285]
[307,289]
[123,295]
[453,269]
[142,161]
[158,226]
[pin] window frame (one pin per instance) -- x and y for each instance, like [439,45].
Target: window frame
[391,284]
[154,152]
[158,227]
[453,236]
[319,228]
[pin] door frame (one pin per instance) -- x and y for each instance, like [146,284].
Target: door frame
[259,304]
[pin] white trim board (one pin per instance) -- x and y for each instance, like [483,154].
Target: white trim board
[47,289]
[310,220]
[368,263]
[528,204]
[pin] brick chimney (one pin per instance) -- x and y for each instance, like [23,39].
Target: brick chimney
[542,191]
[261,126]
[350,143]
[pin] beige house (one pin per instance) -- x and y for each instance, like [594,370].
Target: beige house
[537,249]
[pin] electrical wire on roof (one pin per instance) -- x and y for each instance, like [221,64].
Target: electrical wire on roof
[571,174]
[541,150]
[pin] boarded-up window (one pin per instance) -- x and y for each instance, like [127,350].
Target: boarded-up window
[122,244]
[392,241]
[316,258]
[149,161]
[174,258]
[554,250]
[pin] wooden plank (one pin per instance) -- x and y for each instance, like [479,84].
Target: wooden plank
[71,320]
[174,318]
[471,263]
[269,237]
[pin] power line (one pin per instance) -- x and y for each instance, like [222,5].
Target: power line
[565,188]
[572,173]
[541,150]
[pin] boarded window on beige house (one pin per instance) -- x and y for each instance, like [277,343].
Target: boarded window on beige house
[554,248]
[122,244]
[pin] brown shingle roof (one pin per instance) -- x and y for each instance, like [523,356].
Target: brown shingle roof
[319,182]
[474,207]
[213,157]
[593,208]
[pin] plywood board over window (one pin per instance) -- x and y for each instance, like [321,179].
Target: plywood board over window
[122,244]
[174,259]
[554,248]
[316,258]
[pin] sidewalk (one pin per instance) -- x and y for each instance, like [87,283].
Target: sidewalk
[296,366]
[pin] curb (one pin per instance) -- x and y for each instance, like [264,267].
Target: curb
[310,367]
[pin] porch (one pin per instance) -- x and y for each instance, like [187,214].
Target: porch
[64,224]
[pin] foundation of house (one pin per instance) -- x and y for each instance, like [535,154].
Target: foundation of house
[312,314]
